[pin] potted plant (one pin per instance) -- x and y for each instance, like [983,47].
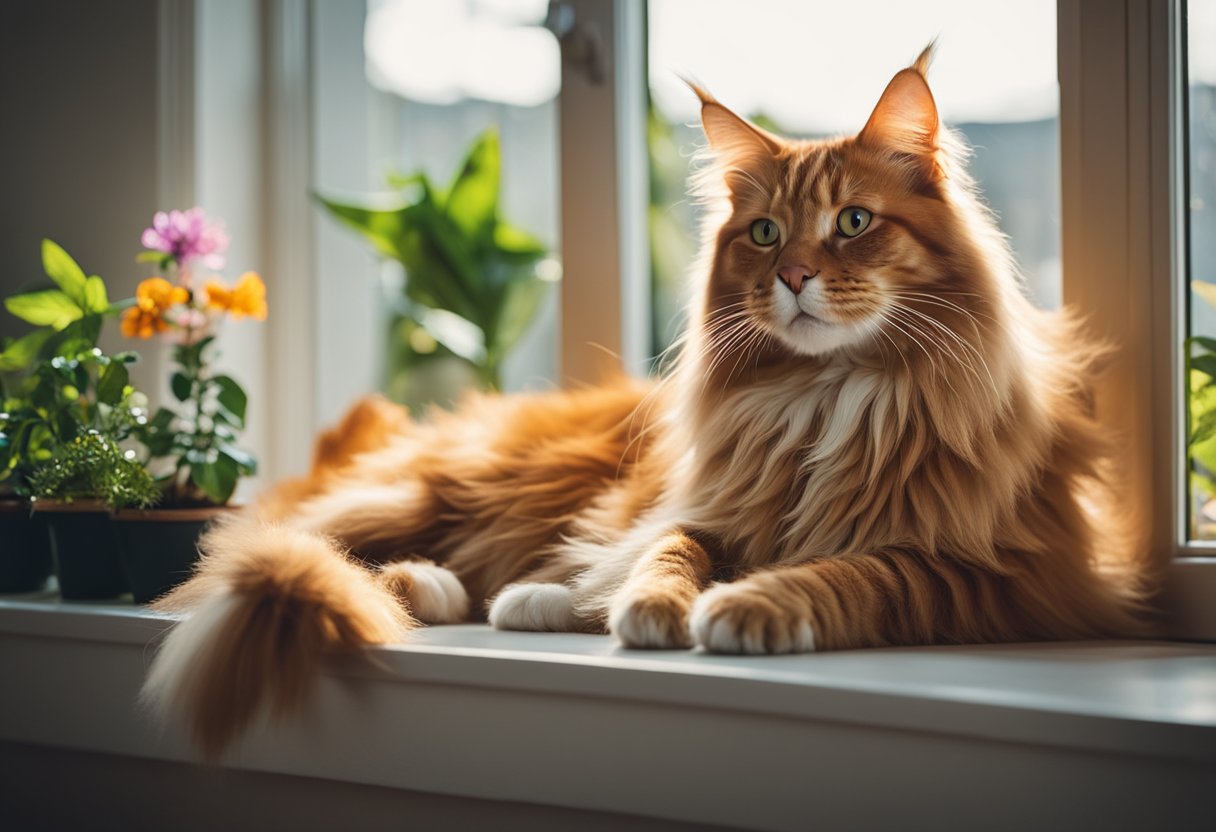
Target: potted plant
[87,479]
[190,446]
[72,406]
[473,281]
[25,549]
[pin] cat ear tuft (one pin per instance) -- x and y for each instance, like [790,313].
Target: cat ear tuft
[730,135]
[925,59]
[905,119]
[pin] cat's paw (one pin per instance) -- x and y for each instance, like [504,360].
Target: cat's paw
[739,618]
[433,594]
[534,607]
[654,620]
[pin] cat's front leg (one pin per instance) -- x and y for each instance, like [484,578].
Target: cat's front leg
[651,609]
[848,601]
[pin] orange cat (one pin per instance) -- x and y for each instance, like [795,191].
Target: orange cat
[870,438]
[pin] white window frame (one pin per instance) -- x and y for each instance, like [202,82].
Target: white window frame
[1120,95]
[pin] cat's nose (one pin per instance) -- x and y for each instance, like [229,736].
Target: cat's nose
[795,276]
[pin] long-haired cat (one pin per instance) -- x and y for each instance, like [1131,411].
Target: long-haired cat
[869,438]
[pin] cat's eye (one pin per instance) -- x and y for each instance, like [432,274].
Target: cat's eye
[853,221]
[764,232]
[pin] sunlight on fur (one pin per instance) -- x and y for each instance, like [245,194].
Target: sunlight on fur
[868,437]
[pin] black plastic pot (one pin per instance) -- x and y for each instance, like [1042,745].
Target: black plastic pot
[84,549]
[159,547]
[25,549]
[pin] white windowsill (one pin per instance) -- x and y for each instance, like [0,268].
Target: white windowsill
[574,720]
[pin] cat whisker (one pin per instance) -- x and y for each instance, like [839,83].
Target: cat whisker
[959,340]
[931,338]
[933,364]
[933,300]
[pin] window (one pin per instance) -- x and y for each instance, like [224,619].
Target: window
[407,101]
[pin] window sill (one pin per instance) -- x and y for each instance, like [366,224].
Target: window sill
[1122,732]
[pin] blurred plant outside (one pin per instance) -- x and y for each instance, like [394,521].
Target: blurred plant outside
[474,282]
[1200,353]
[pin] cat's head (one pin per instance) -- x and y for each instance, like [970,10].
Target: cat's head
[872,239]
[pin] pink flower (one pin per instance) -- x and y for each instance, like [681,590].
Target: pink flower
[187,235]
[190,325]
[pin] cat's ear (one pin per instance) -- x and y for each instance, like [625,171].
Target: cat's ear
[731,136]
[905,119]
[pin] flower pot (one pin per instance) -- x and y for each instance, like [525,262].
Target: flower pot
[84,549]
[159,547]
[25,549]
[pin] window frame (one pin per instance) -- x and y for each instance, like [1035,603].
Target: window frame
[1122,194]
[605,295]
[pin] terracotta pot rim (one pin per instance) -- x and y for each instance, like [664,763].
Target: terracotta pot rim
[170,515]
[75,507]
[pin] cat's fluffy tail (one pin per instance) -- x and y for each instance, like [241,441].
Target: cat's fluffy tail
[265,605]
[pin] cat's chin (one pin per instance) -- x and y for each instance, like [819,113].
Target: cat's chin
[806,334]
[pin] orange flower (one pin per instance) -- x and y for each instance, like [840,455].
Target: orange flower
[157,294]
[136,323]
[247,297]
[153,298]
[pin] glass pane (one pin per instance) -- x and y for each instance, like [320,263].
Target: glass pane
[467,292]
[1201,266]
[994,79]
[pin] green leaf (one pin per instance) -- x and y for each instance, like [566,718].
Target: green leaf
[231,397]
[150,257]
[79,336]
[520,304]
[1208,344]
[157,435]
[158,444]
[380,227]
[1206,364]
[162,419]
[19,354]
[409,182]
[515,242]
[95,300]
[216,479]
[1205,429]
[112,382]
[472,201]
[61,268]
[51,308]
[244,460]
[453,272]
[181,386]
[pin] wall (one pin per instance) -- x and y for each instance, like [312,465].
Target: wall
[78,151]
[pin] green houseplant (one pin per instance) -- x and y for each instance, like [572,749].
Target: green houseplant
[473,281]
[67,409]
